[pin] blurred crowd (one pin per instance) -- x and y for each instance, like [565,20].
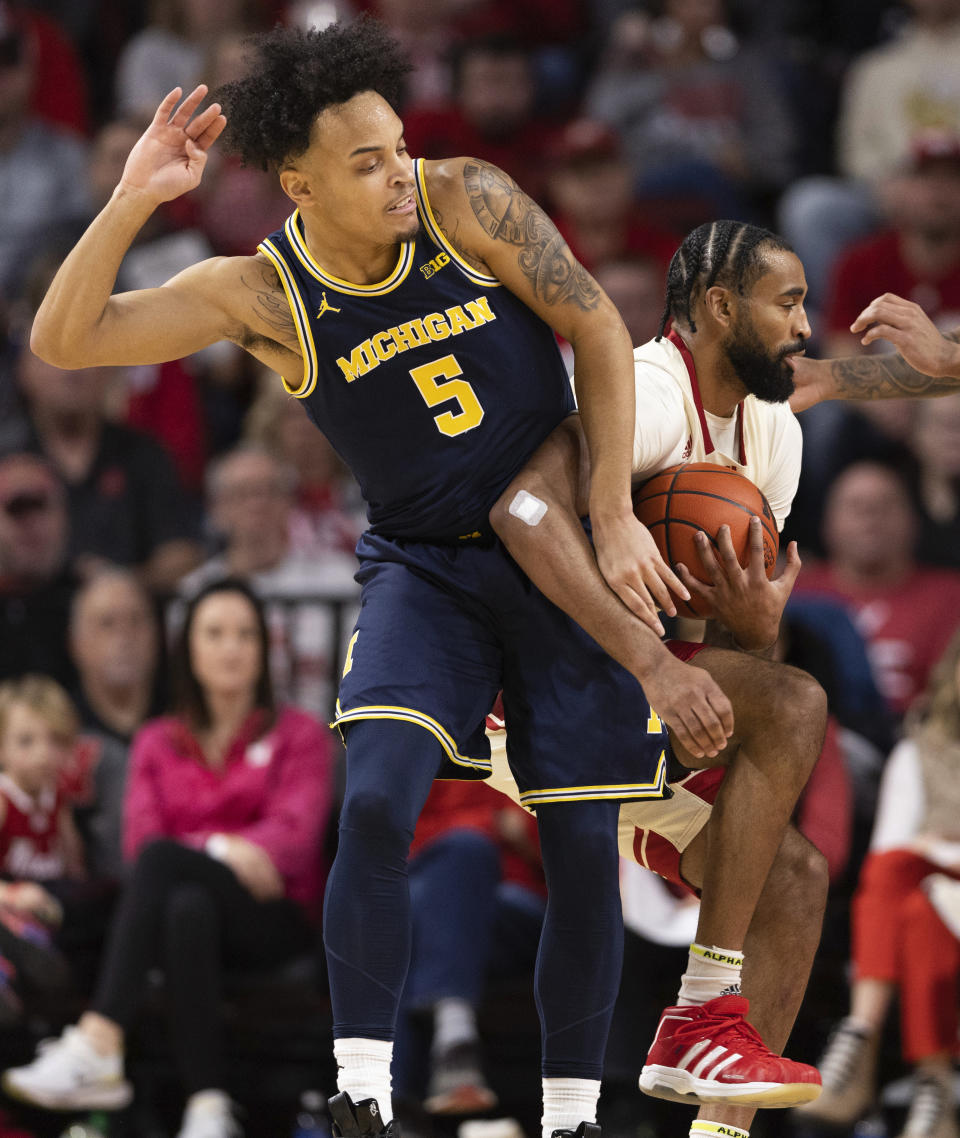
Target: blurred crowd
[136,502]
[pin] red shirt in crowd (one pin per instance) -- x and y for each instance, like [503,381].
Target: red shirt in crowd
[825,812]
[876,265]
[31,848]
[640,239]
[274,789]
[438,133]
[165,402]
[906,627]
[467,805]
[59,93]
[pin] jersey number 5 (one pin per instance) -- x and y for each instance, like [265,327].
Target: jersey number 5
[427,377]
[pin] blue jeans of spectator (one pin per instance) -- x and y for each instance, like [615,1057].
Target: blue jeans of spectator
[468,926]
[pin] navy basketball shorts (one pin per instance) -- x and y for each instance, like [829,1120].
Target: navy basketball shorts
[442,628]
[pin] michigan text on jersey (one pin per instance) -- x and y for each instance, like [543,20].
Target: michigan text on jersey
[415,334]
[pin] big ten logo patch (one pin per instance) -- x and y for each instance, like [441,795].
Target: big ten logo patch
[435,265]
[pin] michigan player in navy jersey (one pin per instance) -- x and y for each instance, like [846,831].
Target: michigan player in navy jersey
[412,309]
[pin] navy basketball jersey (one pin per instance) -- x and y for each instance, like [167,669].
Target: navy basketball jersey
[435,385]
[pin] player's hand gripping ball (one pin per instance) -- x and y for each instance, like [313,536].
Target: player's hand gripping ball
[693,496]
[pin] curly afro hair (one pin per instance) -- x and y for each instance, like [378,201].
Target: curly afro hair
[295,75]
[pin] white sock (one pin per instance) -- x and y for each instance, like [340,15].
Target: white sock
[568,1102]
[363,1071]
[851,1023]
[208,1102]
[711,972]
[700,1128]
[454,1021]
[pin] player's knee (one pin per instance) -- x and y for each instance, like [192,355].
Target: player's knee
[800,709]
[371,812]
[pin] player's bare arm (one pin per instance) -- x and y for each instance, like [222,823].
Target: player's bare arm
[82,323]
[499,229]
[265,325]
[688,699]
[927,363]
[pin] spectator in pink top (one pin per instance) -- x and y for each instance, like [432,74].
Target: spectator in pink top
[226,809]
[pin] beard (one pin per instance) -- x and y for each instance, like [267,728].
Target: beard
[764,373]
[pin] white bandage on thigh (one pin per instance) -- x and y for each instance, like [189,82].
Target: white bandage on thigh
[527,508]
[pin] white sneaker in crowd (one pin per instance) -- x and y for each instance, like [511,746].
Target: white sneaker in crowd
[932,1111]
[848,1069]
[70,1074]
[209,1114]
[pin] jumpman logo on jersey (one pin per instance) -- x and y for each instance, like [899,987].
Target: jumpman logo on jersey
[324,307]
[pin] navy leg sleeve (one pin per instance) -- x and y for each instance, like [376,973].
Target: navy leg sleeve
[581,947]
[366,919]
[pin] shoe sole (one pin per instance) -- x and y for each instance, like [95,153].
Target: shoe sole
[461,1100]
[93,1098]
[679,1086]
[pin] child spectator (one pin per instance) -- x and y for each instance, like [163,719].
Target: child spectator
[39,844]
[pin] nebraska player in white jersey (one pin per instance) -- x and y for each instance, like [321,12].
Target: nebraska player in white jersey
[714,388]
[677,421]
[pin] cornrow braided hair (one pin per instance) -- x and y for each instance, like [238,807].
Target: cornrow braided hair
[719,252]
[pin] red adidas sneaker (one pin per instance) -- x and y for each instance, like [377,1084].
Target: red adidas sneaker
[709,1053]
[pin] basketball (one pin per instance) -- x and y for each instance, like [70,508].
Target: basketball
[693,496]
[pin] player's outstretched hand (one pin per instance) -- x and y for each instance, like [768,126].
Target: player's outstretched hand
[632,566]
[169,157]
[692,704]
[911,331]
[743,600]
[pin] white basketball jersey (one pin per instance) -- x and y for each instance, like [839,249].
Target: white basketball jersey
[761,440]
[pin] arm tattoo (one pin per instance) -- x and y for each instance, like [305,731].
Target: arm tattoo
[888,377]
[507,214]
[270,304]
[453,236]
